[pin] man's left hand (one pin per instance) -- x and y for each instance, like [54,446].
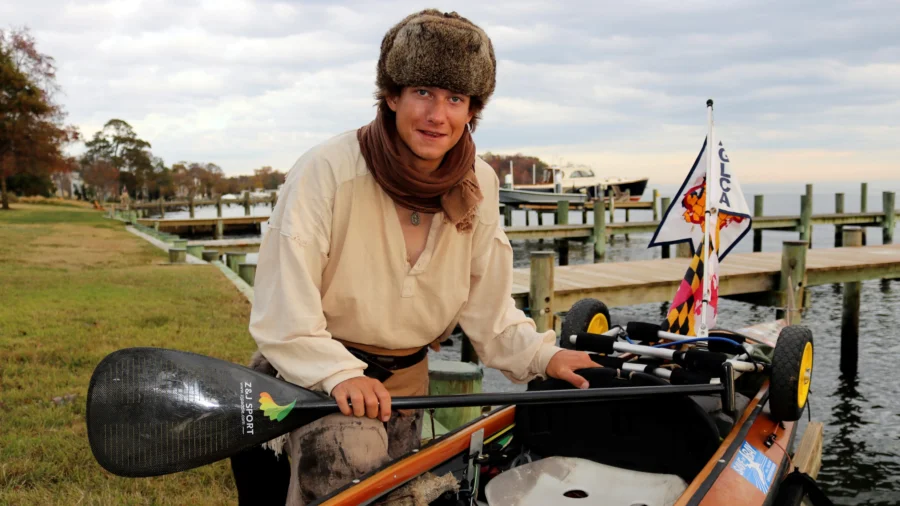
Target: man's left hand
[564,364]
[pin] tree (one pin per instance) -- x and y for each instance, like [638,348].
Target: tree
[118,144]
[103,176]
[522,166]
[32,136]
[267,178]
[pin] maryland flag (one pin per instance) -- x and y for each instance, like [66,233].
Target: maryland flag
[687,306]
[685,221]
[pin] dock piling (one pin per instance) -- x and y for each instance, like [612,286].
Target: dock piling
[850,310]
[757,212]
[838,229]
[562,218]
[210,255]
[665,202]
[247,272]
[863,205]
[805,218]
[446,377]
[233,259]
[195,250]
[541,290]
[599,230]
[793,278]
[890,217]
[177,255]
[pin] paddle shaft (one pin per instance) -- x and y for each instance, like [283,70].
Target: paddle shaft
[536,397]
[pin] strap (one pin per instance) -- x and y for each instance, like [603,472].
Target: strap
[797,486]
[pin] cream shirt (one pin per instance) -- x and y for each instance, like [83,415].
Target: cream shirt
[333,263]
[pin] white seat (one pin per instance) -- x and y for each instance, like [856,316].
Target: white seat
[561,481]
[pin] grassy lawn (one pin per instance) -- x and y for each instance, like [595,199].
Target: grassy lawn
[74,287]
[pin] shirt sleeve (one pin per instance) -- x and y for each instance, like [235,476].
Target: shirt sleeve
[502,335]
[287,321]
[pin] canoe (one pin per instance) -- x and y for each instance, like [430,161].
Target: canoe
[658,451]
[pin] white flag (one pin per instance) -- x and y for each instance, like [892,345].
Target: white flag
[685,219]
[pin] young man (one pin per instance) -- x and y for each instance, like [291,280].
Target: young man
[384,238]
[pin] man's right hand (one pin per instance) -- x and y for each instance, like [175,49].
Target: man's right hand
[362,396]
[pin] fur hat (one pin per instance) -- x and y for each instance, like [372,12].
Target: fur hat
[445,50]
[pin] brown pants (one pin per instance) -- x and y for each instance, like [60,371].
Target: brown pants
[329,453]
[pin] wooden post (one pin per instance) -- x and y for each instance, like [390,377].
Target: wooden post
[219,206]
[809,203]
[541,290]
[612,217]
[793,267]
[235,259]
[863,205]
[247,203]
[177,255]
[838,229]
[665,202]
[890,217]
[446,377]
[507,215]
[627,219]
[683,250]
[162,209]
[850,310]
[220,229]
[191,205]
[247,272]
[210,255]
[599,230]
[540,215]
[562,218]
[655,202]
[584,213]
[805,216]
[757,211]
[274,199]
[527,217]
[195,249]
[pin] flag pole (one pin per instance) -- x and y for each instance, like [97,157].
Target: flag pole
[711,221]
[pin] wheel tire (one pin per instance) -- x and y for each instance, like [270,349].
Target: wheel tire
[586,315]
[791,373]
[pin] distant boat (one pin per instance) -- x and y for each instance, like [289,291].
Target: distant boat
[514,196]
[582,179]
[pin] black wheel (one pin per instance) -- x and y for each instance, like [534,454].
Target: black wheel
[586,315]
[791,373]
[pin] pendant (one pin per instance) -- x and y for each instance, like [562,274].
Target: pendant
[414,218]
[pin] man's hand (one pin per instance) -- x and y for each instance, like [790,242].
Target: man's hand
[367,396]
[565,362]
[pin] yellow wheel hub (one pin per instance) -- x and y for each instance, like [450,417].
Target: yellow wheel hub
[598,324]
[806,364]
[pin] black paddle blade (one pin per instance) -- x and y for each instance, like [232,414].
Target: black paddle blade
[153,411]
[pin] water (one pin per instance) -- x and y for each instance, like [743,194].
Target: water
[861,457]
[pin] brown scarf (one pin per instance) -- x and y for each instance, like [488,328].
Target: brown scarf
[451,188]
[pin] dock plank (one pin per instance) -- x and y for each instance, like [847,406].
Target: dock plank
[645,281]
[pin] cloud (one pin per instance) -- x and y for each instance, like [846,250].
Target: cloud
[799,89]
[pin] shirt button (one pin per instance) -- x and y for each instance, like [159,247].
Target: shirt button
[407,287]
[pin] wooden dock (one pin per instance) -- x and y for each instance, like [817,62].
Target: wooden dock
[217,225]
[639,282]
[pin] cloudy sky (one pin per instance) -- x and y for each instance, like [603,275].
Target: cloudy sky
[804,90]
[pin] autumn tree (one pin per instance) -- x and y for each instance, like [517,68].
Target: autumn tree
[102,176]
[118,144]
[522,166]
[32,136]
